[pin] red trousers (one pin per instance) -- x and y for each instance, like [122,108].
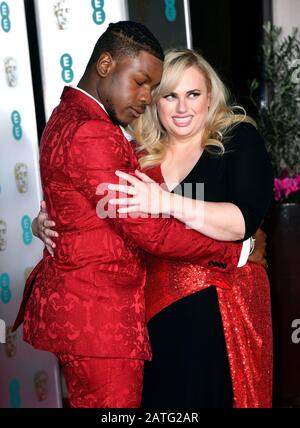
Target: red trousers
[102,382]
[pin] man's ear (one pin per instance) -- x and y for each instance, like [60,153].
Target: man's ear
[105,64]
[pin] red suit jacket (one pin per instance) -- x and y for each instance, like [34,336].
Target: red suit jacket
[89,298]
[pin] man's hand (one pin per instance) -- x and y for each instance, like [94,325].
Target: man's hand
[259,253]
[41,228]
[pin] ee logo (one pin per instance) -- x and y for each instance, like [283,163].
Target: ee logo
[14,394]
[66,63]
[98,14]
[5,21]
[5,288]
[170,10]
[26,228]
[16,121]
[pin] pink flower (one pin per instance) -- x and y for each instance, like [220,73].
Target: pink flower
[283,187]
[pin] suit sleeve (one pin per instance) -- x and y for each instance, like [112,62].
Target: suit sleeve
[249,175]
[96,152]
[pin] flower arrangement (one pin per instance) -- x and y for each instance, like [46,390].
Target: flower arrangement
[278,114]
[286,189]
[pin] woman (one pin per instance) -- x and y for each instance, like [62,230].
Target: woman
[190,135]
[210,333]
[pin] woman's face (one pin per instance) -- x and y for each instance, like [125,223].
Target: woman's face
[183,112]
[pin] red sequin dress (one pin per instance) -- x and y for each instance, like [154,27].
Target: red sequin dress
[244,302]
[243,298]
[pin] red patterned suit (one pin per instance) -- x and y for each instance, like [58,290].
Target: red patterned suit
[88,300]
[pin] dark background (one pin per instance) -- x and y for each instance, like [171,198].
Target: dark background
[228,33]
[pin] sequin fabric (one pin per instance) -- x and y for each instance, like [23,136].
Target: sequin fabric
[244,301]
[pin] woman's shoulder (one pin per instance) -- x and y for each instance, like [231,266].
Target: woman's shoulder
[243,129]
[244,135]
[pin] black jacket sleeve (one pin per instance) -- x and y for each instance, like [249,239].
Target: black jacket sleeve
[249,175]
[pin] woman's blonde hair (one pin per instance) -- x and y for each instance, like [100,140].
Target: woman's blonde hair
[149,134]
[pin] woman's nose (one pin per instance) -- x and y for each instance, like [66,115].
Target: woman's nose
[181,105]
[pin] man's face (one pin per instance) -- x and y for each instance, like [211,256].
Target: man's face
[130,85]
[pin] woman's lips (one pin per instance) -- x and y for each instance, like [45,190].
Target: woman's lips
[182,120]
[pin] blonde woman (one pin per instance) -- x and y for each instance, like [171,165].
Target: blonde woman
[210,333]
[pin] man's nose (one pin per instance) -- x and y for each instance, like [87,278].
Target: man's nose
[145,96]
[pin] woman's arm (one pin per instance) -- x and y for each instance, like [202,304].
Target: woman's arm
[41,227]
[217,220]
[249,178]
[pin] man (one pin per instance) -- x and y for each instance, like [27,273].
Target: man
[86,304]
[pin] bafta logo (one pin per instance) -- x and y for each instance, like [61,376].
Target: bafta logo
[40,384]
[61,12]
[11,342]
[21,177]
[11,71]
[2,331]
[3,235]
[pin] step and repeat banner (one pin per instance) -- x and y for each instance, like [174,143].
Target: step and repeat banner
[67,33]
[169,20]
[28,378]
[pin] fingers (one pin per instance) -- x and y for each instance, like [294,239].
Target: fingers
[130,209]
[50,250]
[130,178]
[130,190]
[124,201]
[50,233]
[49,242]
[45,231]
[145,178]
[42,217]
[43,207]
[261,234]
[264,263]
[48,223]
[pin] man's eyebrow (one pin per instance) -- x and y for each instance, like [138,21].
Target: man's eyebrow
[145,74]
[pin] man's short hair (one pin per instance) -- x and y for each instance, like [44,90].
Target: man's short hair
[126,38]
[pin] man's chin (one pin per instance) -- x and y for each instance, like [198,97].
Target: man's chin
[115,119]
[119,122]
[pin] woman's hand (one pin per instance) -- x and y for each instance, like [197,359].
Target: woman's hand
[144,194]
[41,228]
[259,254]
